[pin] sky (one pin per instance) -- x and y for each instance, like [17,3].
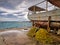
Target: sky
[17,10]
[13,10]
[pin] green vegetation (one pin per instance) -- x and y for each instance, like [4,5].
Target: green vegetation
[40,35]
[32,32]
[43,36]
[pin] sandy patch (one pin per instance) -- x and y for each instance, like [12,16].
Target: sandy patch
[14,37]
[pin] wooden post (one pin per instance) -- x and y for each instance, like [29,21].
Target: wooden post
[32,23]
[48,26]
[34,10]
[46,5]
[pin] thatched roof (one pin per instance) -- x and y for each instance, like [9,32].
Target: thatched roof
[36,8]
[55,2]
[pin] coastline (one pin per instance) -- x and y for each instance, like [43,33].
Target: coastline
[7,29]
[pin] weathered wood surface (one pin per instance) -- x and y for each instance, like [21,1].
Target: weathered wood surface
[44,24]
[55,15]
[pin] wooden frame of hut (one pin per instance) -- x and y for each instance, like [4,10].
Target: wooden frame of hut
[41,23]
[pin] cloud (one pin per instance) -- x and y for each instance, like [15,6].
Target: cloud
[14,9]
[8,16]
[10,4]
[22,5]
[11,11]
[8,19]
[18,9]
[13,17]
[16,5]
[3,13]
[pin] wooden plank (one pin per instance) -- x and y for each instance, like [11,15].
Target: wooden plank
[45,21]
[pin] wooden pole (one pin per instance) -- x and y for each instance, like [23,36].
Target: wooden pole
[32,22]
[49,18]
[48,26]
[34,10]
[46,5]
[40,2]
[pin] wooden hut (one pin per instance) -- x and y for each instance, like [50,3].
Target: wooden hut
[55,2]
[49,19]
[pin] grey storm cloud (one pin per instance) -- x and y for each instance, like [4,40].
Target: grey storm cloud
[8,16]
[16,8]
[2,11]
[18,13]
[10,4]
[21,15]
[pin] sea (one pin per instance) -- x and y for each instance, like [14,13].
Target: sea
[15,24]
